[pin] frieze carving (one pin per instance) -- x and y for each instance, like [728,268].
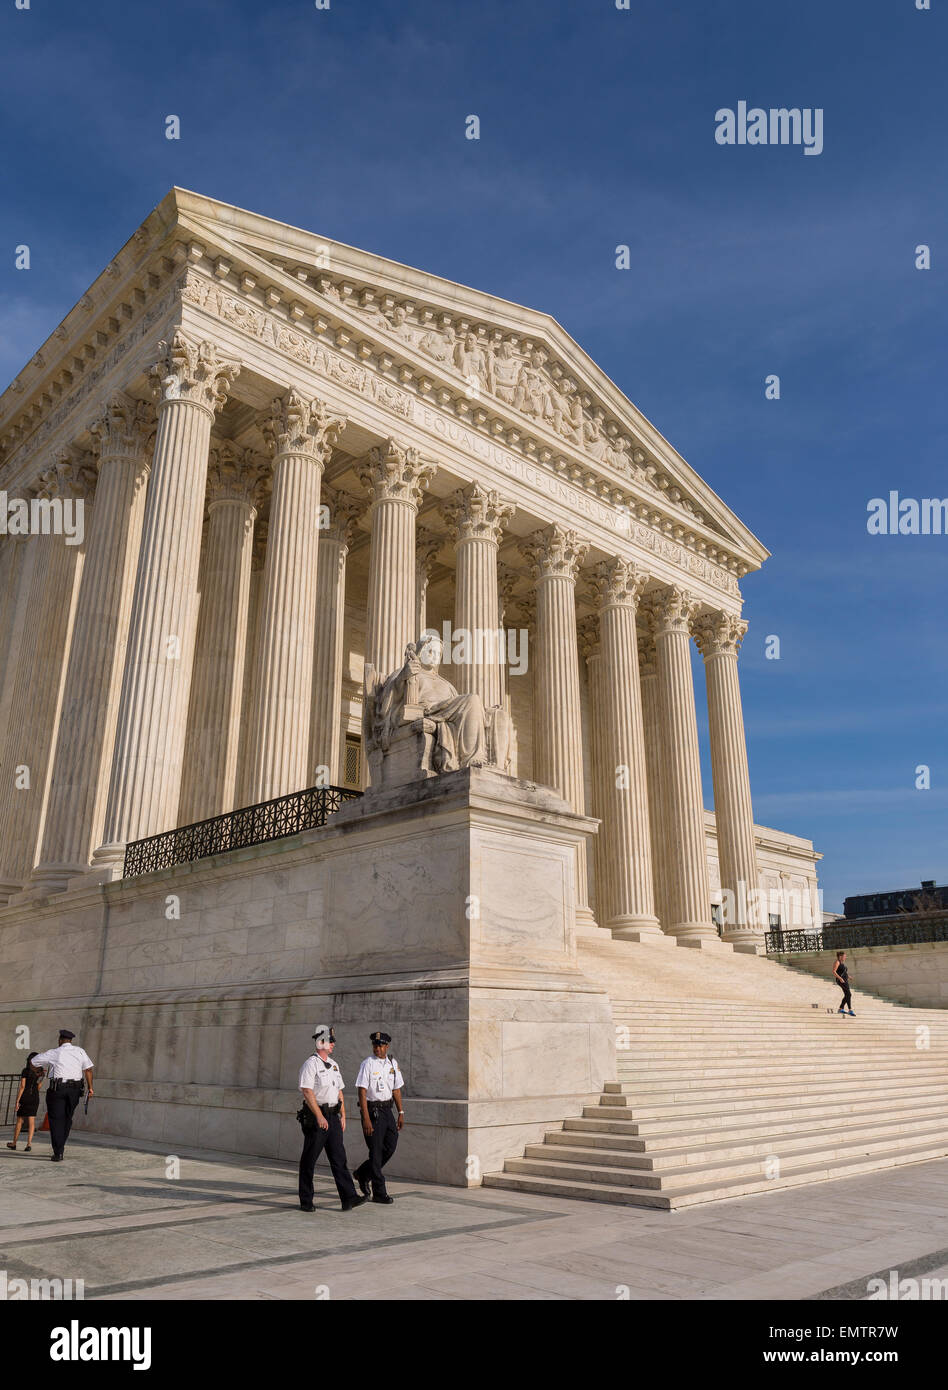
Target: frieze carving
[440,338]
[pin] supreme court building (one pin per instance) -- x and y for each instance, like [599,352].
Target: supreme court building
[295,457]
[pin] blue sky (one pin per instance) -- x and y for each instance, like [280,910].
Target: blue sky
[597,129]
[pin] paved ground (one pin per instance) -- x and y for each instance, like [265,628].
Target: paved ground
[230,1228]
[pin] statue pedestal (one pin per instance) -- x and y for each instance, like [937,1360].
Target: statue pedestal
[470,878]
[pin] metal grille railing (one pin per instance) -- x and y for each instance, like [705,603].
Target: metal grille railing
[9,1085]
[892,931]
[251,825]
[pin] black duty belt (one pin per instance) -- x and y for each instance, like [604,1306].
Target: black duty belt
[58,1084]
[380,1104]
[329,1109]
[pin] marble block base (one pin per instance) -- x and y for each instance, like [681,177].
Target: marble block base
[442,911]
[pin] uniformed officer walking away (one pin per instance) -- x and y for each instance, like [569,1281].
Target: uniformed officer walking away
[323,1120]
[379,1084]
[67,1064]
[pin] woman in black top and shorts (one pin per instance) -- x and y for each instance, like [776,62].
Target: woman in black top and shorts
[841,976]
[27,1102]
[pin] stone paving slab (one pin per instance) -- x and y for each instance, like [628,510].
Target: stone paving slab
[229,1228]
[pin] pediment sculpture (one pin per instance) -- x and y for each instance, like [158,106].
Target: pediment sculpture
[416,725]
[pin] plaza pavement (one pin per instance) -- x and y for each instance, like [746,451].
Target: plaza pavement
[229,1227]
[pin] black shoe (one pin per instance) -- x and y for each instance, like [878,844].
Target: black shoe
[353,1202]
[55,1158]
[304,1207]
[386,1201]
[363,1186]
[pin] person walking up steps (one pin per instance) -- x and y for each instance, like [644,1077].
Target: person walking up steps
[841,976]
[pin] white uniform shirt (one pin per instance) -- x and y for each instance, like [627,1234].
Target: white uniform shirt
[380,1076]
[321,1076]
[66,1062]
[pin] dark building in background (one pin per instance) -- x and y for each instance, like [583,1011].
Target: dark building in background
[927,898]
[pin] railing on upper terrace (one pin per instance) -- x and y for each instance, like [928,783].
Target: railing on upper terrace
[251,825]
[907,929]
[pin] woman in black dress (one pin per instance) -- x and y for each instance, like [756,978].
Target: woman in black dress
[27,1102]
[841,976]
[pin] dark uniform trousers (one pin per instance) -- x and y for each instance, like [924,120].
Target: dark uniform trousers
[62,1097]
[314,1141]
[382,1144]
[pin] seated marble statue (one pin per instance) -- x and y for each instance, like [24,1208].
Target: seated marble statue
[465,733]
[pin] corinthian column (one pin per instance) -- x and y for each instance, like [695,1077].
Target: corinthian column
[719,637]
[395,479]
[209,783]
[656,758]
[556,555]
[427,545]
[626,899]
[79,784]
[191,384]
[477,516]
[300,435]
[672,611]
[334,542]
[35,707]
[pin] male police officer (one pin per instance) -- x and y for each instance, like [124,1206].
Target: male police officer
[323,1119]
[378,1082]
[67,1066]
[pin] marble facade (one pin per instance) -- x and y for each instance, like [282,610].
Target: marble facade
[295,456]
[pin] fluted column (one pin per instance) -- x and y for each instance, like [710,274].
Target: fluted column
[20,558]
[209,783]
[258,556]
[35,706]
[394,478]
[672,611]
[507,579]
[656,759]
[334,541]
[719,636]
[626,900]
[191,384]
[427,545]
[477,515]
[80,778]
[300,435]
[556,555]
[590,651]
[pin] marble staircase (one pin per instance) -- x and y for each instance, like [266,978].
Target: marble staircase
[740,1080]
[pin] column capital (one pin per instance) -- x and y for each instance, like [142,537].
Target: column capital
[427,545]
[476,512]
[719,634]
[299,426]
[234,474]
[392,474]
[670,609]
[123,428]
[73,476]
[587,635]
[647,654]
[344,511]
[188,371]
[554,552]
[618,582]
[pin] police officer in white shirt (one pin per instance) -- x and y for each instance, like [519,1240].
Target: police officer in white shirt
[67,1066]
[323,1120]
[379,1084]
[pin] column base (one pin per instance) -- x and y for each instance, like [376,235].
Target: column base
[586,924]
[699,936]
[8,891]
[50,878]
[748,943]
[628,928]
[107,865]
